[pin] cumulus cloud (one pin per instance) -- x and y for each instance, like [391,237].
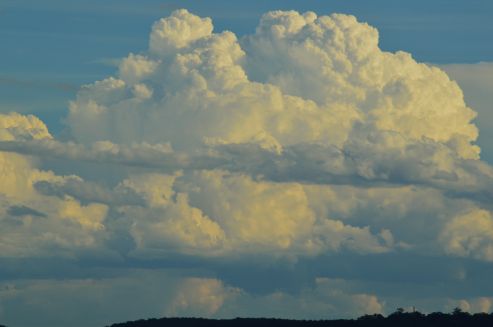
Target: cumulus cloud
[305,99]
[375,159]
[236,130]
[201,297]
[247,124]
[298,79]
[33,224]
[178,31]
[470,234]
[482,304]
[336,60]
[216,213]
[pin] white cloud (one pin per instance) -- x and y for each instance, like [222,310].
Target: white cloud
[335,61]
[62,226]
[201,297]
[217,213]
[177,31]
[473,305]
[15,126]
[214,89]
[235,129]
[470,234]
[136,67]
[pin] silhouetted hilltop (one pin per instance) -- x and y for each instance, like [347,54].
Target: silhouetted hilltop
[396,319]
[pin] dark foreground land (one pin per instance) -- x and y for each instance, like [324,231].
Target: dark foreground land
[436,319]
[396,319]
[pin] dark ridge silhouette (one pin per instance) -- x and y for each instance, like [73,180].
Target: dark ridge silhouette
[399,318]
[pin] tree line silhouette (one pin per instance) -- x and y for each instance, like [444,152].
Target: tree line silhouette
[399,318]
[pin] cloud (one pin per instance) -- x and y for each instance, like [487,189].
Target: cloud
[136,294]
[217,213]
[201,297]
[87,192]
[476,80]
[14,126]
[24,211]
[478,74]
[336,60]
[326,299]
[481,304]
[305,99]
[379,158]
[247,125]
[470,234]
[177,31]
[209,89]
[32,224]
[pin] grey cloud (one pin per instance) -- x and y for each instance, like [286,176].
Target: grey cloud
[140,155]
[88,192]
[20,210]
[360,162]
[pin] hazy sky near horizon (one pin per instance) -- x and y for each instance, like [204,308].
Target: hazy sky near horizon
[298,159]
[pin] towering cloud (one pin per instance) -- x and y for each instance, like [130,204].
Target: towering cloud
[305,99]
[299,78]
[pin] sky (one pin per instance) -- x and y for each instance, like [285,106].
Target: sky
[292,159]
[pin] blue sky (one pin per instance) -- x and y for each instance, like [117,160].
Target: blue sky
[279,172]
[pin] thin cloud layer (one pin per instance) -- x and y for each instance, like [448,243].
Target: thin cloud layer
[302,140]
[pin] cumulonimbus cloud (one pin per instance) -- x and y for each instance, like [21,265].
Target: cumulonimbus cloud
[306,102]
